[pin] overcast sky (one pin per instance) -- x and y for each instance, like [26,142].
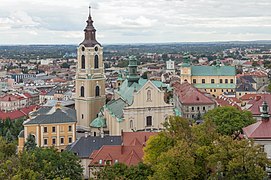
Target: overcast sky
[134,21]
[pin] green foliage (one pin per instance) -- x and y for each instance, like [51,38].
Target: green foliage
[157,145]
[65,65]
[176,163]
[199,152]
[38,163]
[6,149]
[30,143]
[121,171]
[11,129]
[229,120]
[237,159]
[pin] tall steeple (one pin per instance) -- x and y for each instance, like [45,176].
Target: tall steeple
[90,33]
[90,78]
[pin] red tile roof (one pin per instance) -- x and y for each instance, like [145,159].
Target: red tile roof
[129,153]
[254,73]
[129,138]
[18,113]
[258,130]
[9,97]
[188,94]
[28,95]
[225,101]
[248,97]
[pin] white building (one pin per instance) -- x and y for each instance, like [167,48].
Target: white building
[170,66]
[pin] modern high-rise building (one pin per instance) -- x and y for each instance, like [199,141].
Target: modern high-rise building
[90,78]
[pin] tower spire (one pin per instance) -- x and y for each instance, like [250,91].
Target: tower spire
[89,11]
[90,32]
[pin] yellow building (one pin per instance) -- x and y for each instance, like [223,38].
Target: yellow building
[211,79]
[50,126]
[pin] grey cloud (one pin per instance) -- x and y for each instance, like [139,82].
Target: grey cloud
[119,21]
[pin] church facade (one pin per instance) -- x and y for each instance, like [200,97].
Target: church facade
[139,105]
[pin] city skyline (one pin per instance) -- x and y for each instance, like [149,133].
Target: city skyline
[123,21]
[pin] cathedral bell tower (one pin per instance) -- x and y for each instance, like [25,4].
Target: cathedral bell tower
[90,78]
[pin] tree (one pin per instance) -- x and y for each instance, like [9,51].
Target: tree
[122,171]
[193,152]
[38,163]
[6,149]
[30,143]
[176,163]
[237,159]
[229,120]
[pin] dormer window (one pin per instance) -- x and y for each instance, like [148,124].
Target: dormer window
[100,161]
[83,48]
[96,48]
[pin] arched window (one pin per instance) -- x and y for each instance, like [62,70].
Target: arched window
[96,61]
[83,62]
[131,124]
[82,91]
[97,91]
[149,121]
[149,95]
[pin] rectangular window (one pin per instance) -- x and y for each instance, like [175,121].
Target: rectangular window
[45,129]
[192,108]
[220,81]
[226,81]
[82,116]
[53,129]
[70,128]
[203,108]
[212,81]
[53,140]
[45,141]
[62,140]
[203,81]
[231,81]
[194,81]
[214,90]
[198,108]
[70,139]
[149,121]
[211,90]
